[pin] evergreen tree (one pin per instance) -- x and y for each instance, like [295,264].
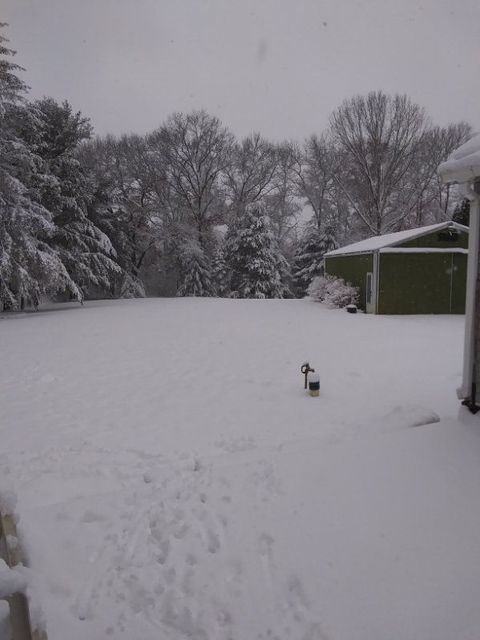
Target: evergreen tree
[84,249]
[329,239]
[254,256]
[308,261]
[12,88]
[197,273]
[124,204]
[285,272]
[220,273]
[29,267]
[461,213]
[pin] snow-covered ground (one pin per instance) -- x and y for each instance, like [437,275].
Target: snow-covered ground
[174,481]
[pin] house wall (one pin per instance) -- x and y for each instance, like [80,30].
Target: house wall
[459,282]
[422,283]
[352,269]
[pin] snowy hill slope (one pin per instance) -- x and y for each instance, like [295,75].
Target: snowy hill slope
[174,481]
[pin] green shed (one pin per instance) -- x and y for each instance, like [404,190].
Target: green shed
[420,270]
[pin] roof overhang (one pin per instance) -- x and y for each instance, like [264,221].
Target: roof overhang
[353,253]
[463,166]
[423,250]
[411,234]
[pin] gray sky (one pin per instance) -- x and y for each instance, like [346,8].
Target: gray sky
[275,66]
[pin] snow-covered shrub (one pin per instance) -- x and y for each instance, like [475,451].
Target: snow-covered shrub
[335,292]
[317,289]
[341,293]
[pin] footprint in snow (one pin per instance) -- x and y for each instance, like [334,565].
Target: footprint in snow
[47,379]
[190,559]
[164,550]
[265,544]
[92,516]
[213,541]
[180,530]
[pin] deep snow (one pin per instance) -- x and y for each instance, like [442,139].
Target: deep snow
[174,481]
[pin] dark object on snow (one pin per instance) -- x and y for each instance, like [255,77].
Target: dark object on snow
[470,402]
[305,369]
[351,308]
[314,385]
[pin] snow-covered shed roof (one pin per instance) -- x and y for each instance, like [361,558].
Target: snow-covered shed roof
[464,163]
[393,239]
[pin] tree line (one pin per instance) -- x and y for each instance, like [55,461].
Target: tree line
[188,209]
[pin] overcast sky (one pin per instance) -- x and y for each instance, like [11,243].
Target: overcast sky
[275,66]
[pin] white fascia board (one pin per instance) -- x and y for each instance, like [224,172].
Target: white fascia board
[353,253]
[422,250]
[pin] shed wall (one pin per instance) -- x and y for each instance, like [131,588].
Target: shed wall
[422,283]
[459,282]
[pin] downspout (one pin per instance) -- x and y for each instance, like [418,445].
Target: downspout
[376,277]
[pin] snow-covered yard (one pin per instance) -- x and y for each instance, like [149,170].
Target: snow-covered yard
[174,481]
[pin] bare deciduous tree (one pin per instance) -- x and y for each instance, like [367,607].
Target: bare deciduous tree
[379,136]
[315,170]
[283,203]
[425,197]
[196,150]
[250,175]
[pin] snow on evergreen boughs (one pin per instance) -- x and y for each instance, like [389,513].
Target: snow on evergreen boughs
[121,204]
[220,273]
[196,268]
[285,272]
[254,257]
[84,249]
[461,213]
[308,261]
[12,88]
[333,291]
[132,287]
[29,268]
